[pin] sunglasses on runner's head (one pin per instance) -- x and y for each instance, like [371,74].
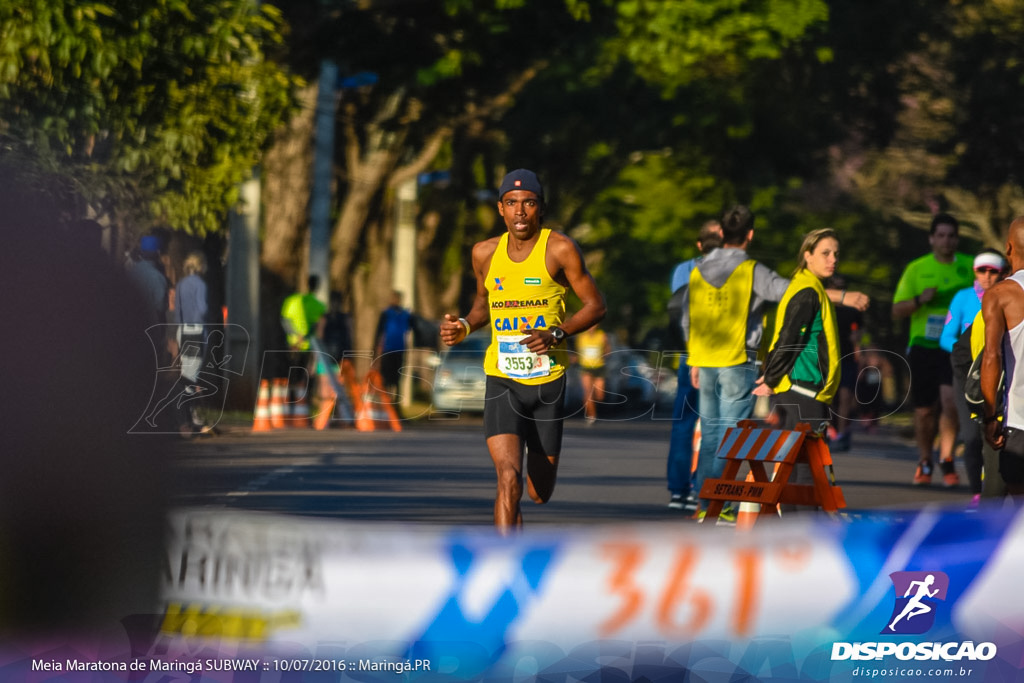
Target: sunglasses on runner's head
[986,270]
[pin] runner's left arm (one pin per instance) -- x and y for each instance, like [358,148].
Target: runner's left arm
[569,261]
[570,258]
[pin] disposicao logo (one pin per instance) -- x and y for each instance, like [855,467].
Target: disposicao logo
[918,596]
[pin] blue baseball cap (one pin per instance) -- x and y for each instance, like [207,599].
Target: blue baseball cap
[521,179]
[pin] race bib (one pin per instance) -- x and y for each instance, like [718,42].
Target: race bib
[518,362]
[933,327]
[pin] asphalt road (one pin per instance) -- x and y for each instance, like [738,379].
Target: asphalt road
[438,471]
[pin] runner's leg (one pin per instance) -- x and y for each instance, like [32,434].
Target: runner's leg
[924,431]
[947,422]
[541,472]
[506,453]
[587,382]
[544,440]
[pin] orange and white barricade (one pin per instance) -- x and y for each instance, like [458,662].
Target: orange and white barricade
[758,446]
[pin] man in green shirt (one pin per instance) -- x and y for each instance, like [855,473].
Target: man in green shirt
[923,294]
[302,317]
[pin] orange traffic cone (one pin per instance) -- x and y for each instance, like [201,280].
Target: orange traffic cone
[279,403]
[300,410]
[325,406]
[374,411]
[748,512]
[337,394]
[261,423]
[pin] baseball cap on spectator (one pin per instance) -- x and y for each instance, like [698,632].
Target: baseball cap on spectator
[521,179]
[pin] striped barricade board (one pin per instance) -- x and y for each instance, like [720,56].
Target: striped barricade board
[749,442]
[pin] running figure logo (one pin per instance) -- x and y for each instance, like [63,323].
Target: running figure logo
[921,592]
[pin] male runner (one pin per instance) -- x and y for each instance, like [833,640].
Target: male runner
[522,277]
[1002,309]
[923,294]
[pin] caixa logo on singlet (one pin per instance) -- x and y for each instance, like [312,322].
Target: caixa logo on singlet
[918,595]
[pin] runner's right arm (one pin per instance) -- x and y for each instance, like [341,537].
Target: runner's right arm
[452,329]
[992,362]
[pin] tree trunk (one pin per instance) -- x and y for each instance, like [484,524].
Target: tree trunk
[287,171]
[371,285]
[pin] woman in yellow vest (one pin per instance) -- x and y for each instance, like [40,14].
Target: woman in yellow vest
[802,367]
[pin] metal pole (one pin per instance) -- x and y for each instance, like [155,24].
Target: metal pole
[243,288]
[403,271]
[323,162]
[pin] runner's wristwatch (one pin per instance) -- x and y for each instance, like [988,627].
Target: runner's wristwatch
[558,333]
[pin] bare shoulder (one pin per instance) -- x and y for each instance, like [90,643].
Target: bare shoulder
[1006,291]
[483,250]
[562,246]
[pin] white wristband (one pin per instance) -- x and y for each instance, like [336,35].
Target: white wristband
[465,323]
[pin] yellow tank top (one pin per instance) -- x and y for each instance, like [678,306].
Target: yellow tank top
[591,345]
[523,296]
[718,318]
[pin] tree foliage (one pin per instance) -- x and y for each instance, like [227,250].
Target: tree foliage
[676,42]
[957,131]
[153,110]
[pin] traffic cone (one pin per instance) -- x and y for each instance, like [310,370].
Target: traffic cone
[279,403]
[337,395]
[747,514]
[373,413]
[325,407]
[300,410]
[261,423]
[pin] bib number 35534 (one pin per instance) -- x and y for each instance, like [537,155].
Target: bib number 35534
[515,360]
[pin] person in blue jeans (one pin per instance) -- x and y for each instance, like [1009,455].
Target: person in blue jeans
[684,410]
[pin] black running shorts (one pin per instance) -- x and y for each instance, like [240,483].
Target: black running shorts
[929,370]
[1011,458]
[534,412]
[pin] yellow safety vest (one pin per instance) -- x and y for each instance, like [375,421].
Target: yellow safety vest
[804,279]
[522,296]
[718,318]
